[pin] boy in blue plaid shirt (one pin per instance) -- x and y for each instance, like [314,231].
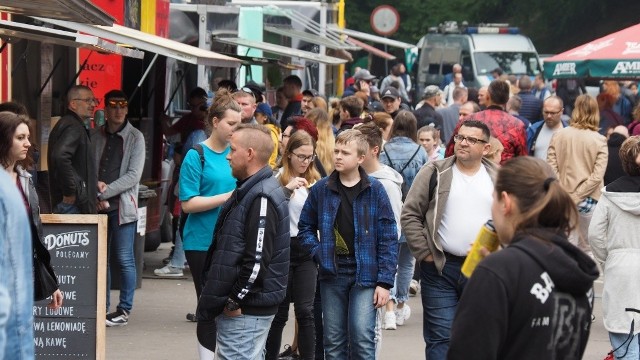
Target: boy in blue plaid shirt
[356,249]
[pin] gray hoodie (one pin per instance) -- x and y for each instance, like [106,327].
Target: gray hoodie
[613,235]
[392,182]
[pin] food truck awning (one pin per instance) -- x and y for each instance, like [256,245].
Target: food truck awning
[282,50]
[10,30]
[371,37]
[81,11]
[151,43]
[310,38]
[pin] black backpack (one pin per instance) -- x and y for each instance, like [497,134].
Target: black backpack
[183,215]
[405,186]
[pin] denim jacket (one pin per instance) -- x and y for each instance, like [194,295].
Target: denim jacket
[16,274]
[400,149]
[376,237]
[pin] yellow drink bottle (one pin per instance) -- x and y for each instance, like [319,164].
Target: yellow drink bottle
[486,238]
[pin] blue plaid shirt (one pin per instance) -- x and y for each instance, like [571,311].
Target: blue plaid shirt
[587,205]
[376,237]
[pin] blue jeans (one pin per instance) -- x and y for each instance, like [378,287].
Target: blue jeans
[123,237]
[406,265]
[16,282]
[242,337]
[440,296]
[349,317]
[178,258]
[629,347]
[64,208]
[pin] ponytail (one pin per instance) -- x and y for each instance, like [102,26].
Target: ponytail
[541,199]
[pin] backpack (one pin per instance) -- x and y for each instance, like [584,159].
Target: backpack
[183,215]
[405,186]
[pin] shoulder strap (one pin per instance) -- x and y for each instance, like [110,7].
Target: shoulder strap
[200,150]
[412,156]
[388,158]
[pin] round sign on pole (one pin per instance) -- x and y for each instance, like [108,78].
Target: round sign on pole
[385,20]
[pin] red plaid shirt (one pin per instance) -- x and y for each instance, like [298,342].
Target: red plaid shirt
[506,128]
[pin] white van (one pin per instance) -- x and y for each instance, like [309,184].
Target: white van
[479,49]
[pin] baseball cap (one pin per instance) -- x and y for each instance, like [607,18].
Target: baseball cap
[311,92]
[431,91]
[264,108]
[390,92]
[374,89]
[363,74]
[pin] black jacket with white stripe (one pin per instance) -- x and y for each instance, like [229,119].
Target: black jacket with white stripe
[249,258]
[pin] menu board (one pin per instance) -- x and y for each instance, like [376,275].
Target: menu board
[78,248]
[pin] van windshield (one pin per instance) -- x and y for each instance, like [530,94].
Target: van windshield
[510,62]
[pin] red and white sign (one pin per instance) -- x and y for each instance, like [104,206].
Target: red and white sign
[385,20]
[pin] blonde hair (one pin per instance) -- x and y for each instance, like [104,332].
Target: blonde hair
[353,135]
[298,139]
[586,114]
[326,139]
[319,102]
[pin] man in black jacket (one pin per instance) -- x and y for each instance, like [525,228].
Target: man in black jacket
[248,263]
[73,184]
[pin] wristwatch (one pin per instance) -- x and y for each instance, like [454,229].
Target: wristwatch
[231,305]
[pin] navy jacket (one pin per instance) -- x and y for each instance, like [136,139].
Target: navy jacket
[238,246]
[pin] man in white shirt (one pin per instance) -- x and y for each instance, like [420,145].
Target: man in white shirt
[453,198]
[448,90]
[539,134]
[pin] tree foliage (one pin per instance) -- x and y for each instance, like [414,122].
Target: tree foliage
[553,25]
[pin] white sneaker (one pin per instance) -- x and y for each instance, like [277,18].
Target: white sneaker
[168,271]
[389,320]
[414,288]
[403,314]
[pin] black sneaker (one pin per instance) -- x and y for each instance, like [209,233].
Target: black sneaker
[192,317]
[118,318]
[288,353]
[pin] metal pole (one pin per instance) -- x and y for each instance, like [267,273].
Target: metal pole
[144,76]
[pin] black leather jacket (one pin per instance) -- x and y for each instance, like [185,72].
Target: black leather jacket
[71,166]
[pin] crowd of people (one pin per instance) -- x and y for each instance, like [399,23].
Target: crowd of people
[346,207]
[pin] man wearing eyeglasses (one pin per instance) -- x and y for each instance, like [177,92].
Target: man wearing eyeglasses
[507,129]
[539,134]
[119,149]
[449,201]
[72,170]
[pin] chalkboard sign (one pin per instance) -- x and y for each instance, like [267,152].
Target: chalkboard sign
[78,248]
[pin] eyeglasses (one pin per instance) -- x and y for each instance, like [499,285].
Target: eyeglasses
[88,100]
[245,90]
[303,158]
[470,140]
[551,113]
[122,104]
[284,136]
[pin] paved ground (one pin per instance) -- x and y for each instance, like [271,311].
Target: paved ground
[158,330]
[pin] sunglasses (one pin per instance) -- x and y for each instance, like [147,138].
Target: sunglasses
[122,104]
[245,90]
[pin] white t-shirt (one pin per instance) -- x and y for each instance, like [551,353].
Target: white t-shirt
[542,142]
[468,208]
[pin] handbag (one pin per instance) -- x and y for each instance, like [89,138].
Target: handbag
[44,281]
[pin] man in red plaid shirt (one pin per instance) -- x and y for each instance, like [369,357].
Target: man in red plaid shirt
[507,129]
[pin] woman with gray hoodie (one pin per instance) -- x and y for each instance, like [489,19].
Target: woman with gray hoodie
[614,240]
[406,156]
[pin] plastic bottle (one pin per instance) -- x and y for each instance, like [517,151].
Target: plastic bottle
[487,238]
